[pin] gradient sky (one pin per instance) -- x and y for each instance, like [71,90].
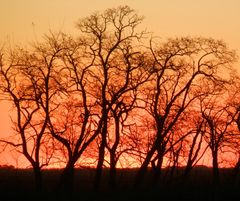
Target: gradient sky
[22,21]
[25,20]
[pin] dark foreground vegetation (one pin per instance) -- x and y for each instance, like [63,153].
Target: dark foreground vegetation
[18,184]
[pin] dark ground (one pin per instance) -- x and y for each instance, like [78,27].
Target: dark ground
[18,184]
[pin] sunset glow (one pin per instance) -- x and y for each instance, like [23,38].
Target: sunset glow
[119,96]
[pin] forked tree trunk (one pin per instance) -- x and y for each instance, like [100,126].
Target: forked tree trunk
[143,169]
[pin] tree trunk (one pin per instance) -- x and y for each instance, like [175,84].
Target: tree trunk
[143,169]
[186,176]
[216,178]
[101,154]
[187,170]
[66,183]
[113,172]
[158,171]
[99,168]
[113,159]
[38,178]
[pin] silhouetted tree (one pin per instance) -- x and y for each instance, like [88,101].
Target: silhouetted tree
[219,130]
[72,124]
[180,66]
[108,92]
[112,38]
[22,87]
[232,100]
[117,140]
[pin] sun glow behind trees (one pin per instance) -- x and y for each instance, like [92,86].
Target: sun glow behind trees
[110,99]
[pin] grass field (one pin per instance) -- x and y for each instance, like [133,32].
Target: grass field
[18,184]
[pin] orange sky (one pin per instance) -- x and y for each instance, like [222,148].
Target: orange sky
[22,21]
[28,19]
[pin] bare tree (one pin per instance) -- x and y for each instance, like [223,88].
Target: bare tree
[107,91]
[116,144]
[22,88]
[180,66]
[219,128]
[232,108]
[113,39]
[72,125]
